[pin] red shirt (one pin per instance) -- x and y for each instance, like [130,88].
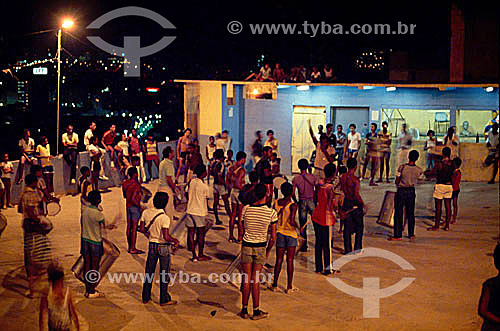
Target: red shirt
[134,145]
[455,179]
[324,213]
[109,137]
[132,192]
[349,184]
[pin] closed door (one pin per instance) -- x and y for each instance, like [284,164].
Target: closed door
[345,116]
[302,144]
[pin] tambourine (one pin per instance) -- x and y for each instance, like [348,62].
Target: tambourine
[53,208]
[146,194]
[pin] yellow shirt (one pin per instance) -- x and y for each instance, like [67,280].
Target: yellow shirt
[284,226]
[44,154]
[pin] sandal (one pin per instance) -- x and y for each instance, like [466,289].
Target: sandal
[292,290]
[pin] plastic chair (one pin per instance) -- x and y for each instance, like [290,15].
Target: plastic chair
[441,118]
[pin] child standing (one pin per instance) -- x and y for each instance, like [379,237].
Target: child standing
[209,153]
[95,164]
[92,221]
[406,178]
[197,212]
[220,189]
[430,145]
[286,239]
[43,154]
[7,171]
[305,183]
[323,218]
[84,185]
[151,155]
[236,179]
[455,182]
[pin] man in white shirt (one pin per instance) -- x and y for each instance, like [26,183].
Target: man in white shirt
[353,142]
[166,175]
[197,212]
[155,224]
[86,141]
[228,141]
[27,147]
[70,143]
[89,134]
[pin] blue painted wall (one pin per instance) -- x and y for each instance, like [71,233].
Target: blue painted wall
[234,124]
[277,114]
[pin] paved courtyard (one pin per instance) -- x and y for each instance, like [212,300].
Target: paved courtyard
[449,270]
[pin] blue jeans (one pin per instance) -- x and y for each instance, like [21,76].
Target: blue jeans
[340,154]
[157,252]
[305,207]
[430,161]
[404,200]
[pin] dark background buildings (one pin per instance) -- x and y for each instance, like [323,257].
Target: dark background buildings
[94,87]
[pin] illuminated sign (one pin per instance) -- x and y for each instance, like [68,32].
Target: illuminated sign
[40,71]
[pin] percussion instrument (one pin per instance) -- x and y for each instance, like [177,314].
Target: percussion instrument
[111,253]
[278,181]
[146,194]
[386,214]
[53,208]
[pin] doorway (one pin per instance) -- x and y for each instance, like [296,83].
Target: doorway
[302,144]
[345,116]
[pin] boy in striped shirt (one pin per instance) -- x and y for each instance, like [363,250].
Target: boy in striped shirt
[257,219]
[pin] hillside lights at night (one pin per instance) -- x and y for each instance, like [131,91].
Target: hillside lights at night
[390,88]
[303,88]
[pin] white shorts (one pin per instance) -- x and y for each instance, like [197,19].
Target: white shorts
[442,191]
[235,193]
[221,189]
[195,221]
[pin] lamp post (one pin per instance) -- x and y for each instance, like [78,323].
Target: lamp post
[66,24]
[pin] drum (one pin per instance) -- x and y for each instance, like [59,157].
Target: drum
[111,253]
[386,214]
[146,194]
[178,230]
[278,181]
[53,208]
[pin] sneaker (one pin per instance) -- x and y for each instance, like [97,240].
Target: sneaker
[259,314]
[102,177]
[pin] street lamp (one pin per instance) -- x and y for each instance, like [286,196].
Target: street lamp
[66,24]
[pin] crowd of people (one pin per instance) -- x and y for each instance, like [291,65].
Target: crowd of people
[327,188]
[297,74]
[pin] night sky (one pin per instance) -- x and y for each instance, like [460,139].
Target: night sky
[204,45]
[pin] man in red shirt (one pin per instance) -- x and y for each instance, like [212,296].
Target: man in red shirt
[132,193]
[108,140]
[353,222]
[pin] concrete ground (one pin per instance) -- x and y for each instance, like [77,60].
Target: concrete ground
[449,270]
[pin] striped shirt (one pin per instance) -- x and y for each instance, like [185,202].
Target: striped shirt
[257,220]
